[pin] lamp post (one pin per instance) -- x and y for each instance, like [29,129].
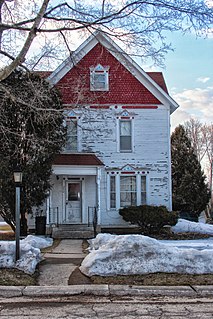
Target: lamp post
[18,180]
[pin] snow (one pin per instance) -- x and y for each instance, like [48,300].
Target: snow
[125,254]
[30,254]
[4,227]
[112,255]
[185,226]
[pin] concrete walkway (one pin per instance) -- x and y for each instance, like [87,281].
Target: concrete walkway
[60,262]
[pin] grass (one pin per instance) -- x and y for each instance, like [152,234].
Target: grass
[157,279]
[15,277]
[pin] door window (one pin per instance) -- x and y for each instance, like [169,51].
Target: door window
[73,192]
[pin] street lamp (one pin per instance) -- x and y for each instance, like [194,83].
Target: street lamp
[18,180]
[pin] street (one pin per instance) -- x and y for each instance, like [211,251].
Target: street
[86,307]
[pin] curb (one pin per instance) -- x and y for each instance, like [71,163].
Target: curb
[105,290]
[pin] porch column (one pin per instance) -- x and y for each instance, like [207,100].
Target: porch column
[62,216]
[98,182]
[48,209]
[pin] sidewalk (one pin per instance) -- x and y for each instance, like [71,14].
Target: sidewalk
[60,263]
[107,291]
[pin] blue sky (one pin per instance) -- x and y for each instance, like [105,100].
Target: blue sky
[189,77]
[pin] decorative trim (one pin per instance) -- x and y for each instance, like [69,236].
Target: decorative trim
[128,168]
[99,106]
[126,173]
[145,107]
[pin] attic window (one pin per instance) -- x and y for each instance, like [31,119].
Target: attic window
[99,78]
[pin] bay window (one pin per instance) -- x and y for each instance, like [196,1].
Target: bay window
[126,190]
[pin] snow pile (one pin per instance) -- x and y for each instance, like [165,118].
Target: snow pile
[112,255]
[185,226]
[5,228]
[30,254]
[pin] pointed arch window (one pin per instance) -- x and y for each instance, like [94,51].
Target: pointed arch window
[99,78]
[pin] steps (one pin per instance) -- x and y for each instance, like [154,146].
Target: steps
[73,232]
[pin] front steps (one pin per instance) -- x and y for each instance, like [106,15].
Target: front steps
[73,232]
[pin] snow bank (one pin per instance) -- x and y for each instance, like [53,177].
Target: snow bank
[30,254]
[185,226]
[112,255]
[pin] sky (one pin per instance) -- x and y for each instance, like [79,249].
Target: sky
[189,76]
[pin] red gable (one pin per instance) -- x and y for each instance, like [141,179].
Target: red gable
[124,88]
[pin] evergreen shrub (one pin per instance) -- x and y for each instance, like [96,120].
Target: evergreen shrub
[150,219]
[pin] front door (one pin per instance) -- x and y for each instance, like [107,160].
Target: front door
[73,203]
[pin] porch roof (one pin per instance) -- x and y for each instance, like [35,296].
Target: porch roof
[78,159]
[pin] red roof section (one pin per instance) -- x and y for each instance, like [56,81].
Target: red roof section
[159,79]
[77,159]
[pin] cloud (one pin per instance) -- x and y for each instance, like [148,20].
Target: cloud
[203,79]
[209,3]
[197,103]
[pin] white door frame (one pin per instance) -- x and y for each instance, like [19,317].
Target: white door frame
[77,205]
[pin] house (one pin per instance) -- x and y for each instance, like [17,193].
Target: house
[118,144]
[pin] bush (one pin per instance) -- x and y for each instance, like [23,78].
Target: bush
[150,219]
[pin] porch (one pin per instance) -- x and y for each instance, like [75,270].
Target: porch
[73,206]
[74,231]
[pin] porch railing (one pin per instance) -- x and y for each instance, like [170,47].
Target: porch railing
[93,219]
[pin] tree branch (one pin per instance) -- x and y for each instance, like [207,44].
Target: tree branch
[4,73]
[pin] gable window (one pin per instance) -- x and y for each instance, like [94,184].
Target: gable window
[71,144]
[99,78]
[125,135]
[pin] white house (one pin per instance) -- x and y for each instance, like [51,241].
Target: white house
[118,147]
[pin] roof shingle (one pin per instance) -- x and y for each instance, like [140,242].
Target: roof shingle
[77,159]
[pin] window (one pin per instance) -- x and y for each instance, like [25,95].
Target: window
[71,144]
[99,78]
[128,193]
[143,190]
[74,192]
[125,136]
[126,190]
[112,192]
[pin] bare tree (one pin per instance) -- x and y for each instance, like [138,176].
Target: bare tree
[201,137]
[139,25]
[207,135]
[194,130]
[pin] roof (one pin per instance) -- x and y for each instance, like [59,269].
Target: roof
[77,159]
[154,83]
[159,79]
[43,74]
